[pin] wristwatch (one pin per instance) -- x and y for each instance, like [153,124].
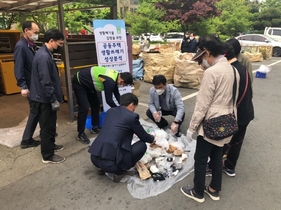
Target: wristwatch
[177,122]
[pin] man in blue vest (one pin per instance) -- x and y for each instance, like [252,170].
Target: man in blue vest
[85,84]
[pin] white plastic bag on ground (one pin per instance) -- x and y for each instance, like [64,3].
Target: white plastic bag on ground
[264,69]
[11,137]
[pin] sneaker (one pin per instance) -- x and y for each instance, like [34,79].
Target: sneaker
[95,130]
[229,172]
[58,148]
[54,159]
[32,143]
[189,192]
[213,195]
[208,171]
[83,139]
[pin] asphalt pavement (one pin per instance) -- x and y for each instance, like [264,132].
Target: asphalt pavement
[27,183]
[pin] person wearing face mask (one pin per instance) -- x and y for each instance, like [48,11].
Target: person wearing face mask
[165,99]
[86,83]
[113,152]
[23,55]
[215,98]
[46,94]
[192,47]
[185,43]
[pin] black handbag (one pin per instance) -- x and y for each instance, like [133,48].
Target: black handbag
[221,127]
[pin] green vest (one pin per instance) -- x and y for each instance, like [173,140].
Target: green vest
[96,71]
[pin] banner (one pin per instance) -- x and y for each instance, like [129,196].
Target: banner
[112,49]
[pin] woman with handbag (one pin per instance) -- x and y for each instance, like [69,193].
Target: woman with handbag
[216,99]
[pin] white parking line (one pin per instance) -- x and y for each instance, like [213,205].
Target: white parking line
[196,93]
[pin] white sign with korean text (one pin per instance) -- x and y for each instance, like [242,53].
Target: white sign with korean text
[112,49]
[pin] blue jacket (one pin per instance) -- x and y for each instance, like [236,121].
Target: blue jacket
[23,56]
[115,139]
[45,84]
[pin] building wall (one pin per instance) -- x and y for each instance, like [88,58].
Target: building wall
[124,6]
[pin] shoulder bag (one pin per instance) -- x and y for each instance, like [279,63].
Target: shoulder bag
[224,126]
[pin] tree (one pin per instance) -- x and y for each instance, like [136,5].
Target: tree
[7,19]
[188,12]
[231,21]
[148,19]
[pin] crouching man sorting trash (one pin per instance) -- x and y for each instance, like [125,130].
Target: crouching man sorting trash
[112,151]
[165,99]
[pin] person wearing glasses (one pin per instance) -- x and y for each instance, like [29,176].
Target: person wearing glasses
[46,94]
[23,55]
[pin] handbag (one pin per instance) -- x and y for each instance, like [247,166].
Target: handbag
[224,126]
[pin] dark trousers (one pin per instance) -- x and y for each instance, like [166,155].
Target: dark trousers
[163,122]
[204,150]
[31,123]
[233,148]
[85,97]
[109,166]
[47,122]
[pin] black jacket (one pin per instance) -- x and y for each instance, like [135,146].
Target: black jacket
[245,111]
[114,140]
[23,56]
[45,84]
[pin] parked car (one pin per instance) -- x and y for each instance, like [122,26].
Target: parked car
[156,38]
[174,36]
[273,32]
[260,39]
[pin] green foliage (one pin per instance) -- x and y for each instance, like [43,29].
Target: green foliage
[231,21]
[74,18]
[147,19]
[7,19]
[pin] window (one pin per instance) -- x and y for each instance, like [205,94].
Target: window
[276,32]
[259,39]
[247,38]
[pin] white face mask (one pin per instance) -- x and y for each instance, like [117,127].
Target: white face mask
[205,63]
[33,37]
[160,91]
[191,38]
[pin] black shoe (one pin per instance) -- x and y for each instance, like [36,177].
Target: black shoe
[83,139]
[119,177]
[54,159]
[95,130]
[229,172]
[213,195]
[32,143]
[58,148]
[178,134]
[101,172]
[189,192]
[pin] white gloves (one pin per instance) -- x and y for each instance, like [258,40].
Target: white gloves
[174,128]
[189,135]
[156,116]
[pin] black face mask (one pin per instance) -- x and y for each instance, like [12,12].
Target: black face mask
[58,50]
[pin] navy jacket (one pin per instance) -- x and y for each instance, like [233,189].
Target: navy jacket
[245,111]
[114,140]
[45,84]
[23,56]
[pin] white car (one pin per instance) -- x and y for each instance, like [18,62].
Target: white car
[174,37]
[260,39]
[156,38]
